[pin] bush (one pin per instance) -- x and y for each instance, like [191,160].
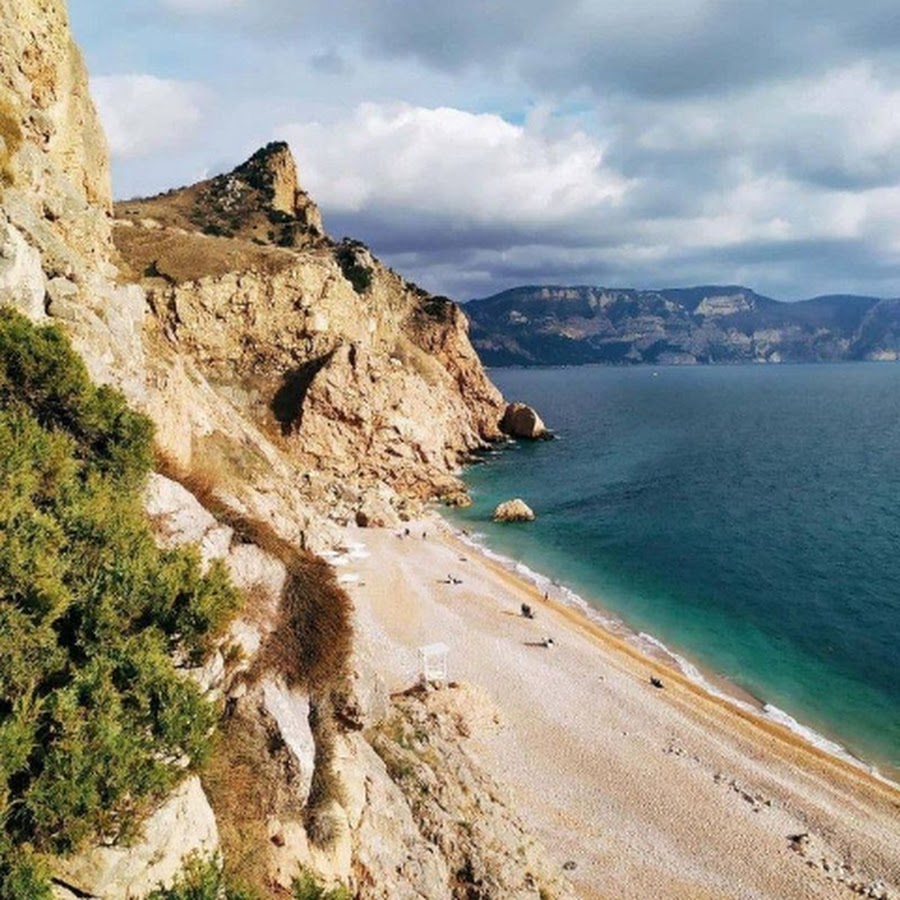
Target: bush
[307,887]
[21,875]
[201,879]
[95,720]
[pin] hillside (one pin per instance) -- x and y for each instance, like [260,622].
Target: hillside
[713,324]
[353,372]
[186,698]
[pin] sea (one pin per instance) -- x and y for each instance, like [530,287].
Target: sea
[745,518]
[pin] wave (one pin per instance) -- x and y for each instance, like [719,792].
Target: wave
[647,643]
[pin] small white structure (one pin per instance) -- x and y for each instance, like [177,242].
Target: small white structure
[433,663]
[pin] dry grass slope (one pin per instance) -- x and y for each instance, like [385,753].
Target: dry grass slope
[310,648]
[11,135]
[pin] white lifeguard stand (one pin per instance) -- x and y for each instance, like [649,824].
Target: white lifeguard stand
[433,663]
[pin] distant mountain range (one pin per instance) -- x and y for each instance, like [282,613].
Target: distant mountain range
[553,325]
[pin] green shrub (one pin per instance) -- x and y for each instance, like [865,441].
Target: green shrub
[95,720]
[307,887]
[201,879]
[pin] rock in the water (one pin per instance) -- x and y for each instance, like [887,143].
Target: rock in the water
[514,511]
[521,421]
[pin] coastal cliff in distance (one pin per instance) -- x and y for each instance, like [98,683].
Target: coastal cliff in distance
[551,325]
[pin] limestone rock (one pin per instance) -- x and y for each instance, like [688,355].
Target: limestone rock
[376,512]
[260,200]
[290,710]
[468,823]
[22,282]
[179,519]
[392,860]
[521,421]
[381,386]
[182,826]
[514,511]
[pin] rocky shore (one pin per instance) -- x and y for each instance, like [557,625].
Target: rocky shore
[634,790]
[300,389]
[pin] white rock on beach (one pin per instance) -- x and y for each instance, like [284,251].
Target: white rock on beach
[514,511]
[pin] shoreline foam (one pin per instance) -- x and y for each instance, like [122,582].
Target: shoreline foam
[675,793]
[650,646]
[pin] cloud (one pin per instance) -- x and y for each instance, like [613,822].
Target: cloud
[836,131]
[473,144]
[459,166]
[143,115]
[646,48]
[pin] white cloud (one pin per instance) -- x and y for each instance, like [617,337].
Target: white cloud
[143,114]
[837,130]
[455,164]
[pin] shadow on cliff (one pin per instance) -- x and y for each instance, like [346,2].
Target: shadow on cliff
[287,404]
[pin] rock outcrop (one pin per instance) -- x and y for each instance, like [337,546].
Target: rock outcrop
[521,421]
[182,827]
[685,326]
[480,845]
[358,374]
[261,200]
[292,380]
[514,511]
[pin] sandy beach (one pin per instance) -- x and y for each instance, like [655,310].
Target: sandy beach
[669,792]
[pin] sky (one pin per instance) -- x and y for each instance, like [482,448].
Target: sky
[478,145]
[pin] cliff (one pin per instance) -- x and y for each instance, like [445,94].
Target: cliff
[293,382]
[353,372]
[575,325]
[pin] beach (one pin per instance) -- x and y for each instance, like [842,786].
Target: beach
[637,790]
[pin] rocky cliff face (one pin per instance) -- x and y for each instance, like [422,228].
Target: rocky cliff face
[55,221]
[291,379]
[355,373]
[573,325]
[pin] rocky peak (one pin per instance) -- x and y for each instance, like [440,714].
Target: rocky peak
[273,172]
[261,200]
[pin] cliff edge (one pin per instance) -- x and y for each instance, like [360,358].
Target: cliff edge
[293,381]
[356,374]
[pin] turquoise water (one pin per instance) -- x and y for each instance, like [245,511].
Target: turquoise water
[745,516]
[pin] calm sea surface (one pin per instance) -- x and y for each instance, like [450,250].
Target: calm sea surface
[748,517]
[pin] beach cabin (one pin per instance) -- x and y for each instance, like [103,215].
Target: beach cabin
[433,663]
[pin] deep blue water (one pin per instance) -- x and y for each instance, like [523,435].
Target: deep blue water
[747,517]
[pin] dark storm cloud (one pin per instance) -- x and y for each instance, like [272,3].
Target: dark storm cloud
[646,47]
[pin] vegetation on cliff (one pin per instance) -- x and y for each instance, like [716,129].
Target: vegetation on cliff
[95,720]
[10,141]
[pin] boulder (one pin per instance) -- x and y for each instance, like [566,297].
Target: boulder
[514,511]
[521,421]
[376,512]
[183,826]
